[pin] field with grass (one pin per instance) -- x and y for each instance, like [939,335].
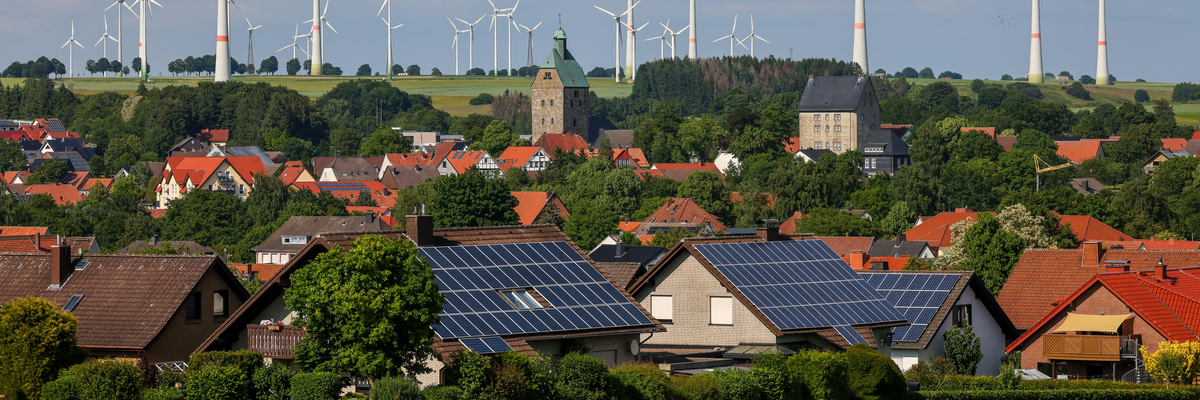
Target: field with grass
[449,93]
[1121,92]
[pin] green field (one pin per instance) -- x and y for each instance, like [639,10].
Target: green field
[450,93]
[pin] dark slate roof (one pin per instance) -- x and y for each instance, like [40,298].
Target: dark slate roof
[402,176]
[607,253]
[833,93]
[189,247]
[595,125]
[354,168]
[561,60]
[78,164]
[893,248]
[892,145]
[247,151]
[313,227]
[815,154]
[618,138]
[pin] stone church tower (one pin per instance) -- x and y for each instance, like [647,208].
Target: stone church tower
[560,94]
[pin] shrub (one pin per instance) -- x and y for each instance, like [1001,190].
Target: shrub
[469,371]
[695,389]
[317,386]
[395,389]
[37,340]
[931,375]
[1174,362]
[60,389]
[106,380]
[273,382]
[442,393]
[248,362]
[583,372]
[509,382]
[214,382]
[482,99]
[1142,394]
[735,383]
[1076,90]
[822,373]
[771,372]
[1087,80]
[641,381]
[162,393]
[874,376]
[963,349]
[1141,96]
[1008,370]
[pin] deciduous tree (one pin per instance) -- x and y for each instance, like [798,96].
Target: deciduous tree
[37,340]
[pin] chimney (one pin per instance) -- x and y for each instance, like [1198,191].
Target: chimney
[769,234]
[1160,270]
[37,240]
[1086,186]
[620,249]
[1117,266]
[153,240]
[419,229]
[858,260]
[1092,253]
[60,264]
[901,238]
[962,210]
[370,217]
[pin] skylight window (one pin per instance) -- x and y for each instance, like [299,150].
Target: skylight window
[73,302]
[521,299]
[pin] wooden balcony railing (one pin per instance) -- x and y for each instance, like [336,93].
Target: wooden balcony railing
[273,343]
[1081,347]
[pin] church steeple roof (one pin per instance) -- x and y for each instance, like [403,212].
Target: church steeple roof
[561,60]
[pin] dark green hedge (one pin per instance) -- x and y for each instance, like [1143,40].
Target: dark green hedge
[214,382]
[317,386]
[1062,394]
[248,362]
[442,393]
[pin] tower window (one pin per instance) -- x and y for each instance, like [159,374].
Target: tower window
[576,94]
[551,121]
[543,103]
[574,122]
[551,103]
[547,76]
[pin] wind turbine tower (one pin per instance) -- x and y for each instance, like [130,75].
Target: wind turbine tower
[529,52]
[106,36]
[250,44]
[316,56]
[617,51]
[120,29]
[471,28]
[631,48]
[388,22]
[222,67]
[1035,46]
[753,36]
[860,35]
[692,35]
[71,50]
[1102,51]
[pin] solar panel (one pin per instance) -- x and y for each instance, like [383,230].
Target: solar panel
[850,334]
[799,284]
[487,345]
[917,296]
[576,296]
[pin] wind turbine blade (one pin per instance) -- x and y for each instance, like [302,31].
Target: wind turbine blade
[114,39]
[752,23]
[72,30]
[65,45]
[514,9]
[113,4]
[322,11]
[493,6]
[726,37]
[524,27]
[397,26]
[284,48]
[381,8]
[606,12]
[535,27]
[460,19]
[452,24]
[98,41]
[260,26]
[643,26]
[760,38]
[155,3]
[131,10]
[77,44]
[480,19]
[735,22]
[105,24]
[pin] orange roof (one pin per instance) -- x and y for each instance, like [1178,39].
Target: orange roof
[62,194]
[628,226]
[106,182]
[1088,229]
[463,160]
[349,190]
[635,156]
[60,135]
[1174,144]
[845,245]
[265,271]
[531,204]
[23,230]
[638,157]
[684,210]
[792,145]
[936,230]
[1079,151]
[19,244]
[893,263]
[789,226]
[769,198]
[1196,135]
[991,131]
[517,156]
[568,142]
[158,213]
[10,176]
[292,173]
[199,169]
[414,159]
[213,135]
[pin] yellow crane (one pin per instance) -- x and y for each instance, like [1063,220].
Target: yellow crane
[1037,165]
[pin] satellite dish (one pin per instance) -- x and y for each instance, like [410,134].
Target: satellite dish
[634,347]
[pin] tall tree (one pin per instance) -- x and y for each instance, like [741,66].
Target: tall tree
[708,191]
[386,141]
[471,199]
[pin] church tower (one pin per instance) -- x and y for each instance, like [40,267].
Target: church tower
[560,94]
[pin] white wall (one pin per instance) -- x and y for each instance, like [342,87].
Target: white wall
[991,339]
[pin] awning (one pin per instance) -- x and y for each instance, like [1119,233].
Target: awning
[1092,323]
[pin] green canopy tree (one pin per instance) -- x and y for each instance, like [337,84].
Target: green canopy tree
[37,340]
[385,141]
[991,252]
[49,172]
[496,137]
[471,199]
[708,191]
[11,157]
[206,217]
[369,311]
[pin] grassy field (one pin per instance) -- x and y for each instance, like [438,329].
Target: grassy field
[1121,92]
[450,93]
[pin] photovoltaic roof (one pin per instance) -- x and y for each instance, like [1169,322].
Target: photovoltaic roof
[334,186]
[800,284]
[916,296]
[487,345]
[576,296]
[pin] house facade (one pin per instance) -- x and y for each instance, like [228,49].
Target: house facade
[560,93]
[297,232]
[837,112]
[233,175]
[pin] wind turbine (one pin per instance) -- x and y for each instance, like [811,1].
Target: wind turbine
[388,24]
[508,27]
[106,36]
[673,34]
[142,17]
[617,18]
[497,13]
[752,37]
[293,45]
[631,68]
[662,43]
[250,42]
[315,53]
[71,51]
[120,30]
[471,28]
[222,67]
[529,53]
[732,37]
[326,23]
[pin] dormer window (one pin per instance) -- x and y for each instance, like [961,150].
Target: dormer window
[521,299]
[295,239]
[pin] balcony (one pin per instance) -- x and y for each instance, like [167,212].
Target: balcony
[273,341]
[1088,347]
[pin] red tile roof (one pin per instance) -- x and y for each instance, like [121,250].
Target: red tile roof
[414,159]
[845,245]
[213,135]
[383,213]
[568,142]
[531,204]
[1006,142]
[62,194]
[158,212]
[1079,151]
[349,190]
[1174,144]
[789,226]
[1170,244]
[936,230]
[792,145]
[199,169]
[17,135]
[23,230]
[991,131]
[683,210]
[463,160]
[264,271]
[1089,229]
[1044,276]
[20,244]
[291,173]
[516,156]
[106,182]
[628,226]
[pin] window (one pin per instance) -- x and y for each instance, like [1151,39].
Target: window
[837,146]
[837,117]
[817,145]
[837,128]
[547,76]
[662,308]
[551,103]
[521,299]
[221,303]
[826,128]
[72,303]
[961,315]
[191,307]
[827,117]
[816,128]
[551,119]
[816,117]
[827,146]
[574,122]
[720,310]
[543,121]
[543,103]
[576,93]
[873,165]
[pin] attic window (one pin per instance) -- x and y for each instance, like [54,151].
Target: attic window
[191,306]
[73,302]
[521,299]
[81,264]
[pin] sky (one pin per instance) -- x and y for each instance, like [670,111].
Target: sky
[1148,39]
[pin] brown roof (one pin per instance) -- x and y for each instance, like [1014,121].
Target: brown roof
[620,274]
[566,141]
[684,210]
[128,299]
[346,168]
[844,245]
[313,227]
[213,135]
[402,176]
[189,246]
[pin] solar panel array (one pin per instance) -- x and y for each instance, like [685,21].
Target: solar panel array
[850,334]
[487,345]
[340,186]
[916,296]
[577,296]
[799,284]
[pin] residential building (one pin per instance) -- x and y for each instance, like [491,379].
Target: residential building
[23,230]
[577,304]
[1161,156]
[682,210]
[1087,186]
[680,172]
[383,213]
[232,175]
[623,157]
[704,292]
[811,155]
[936,230]
[72,158]
[617,138]
[884,151]
[1095,332]
[626,263]
[213,137]
[338,169]
[41,244]
[559,94]
[411,160]
[553,142]
[1043,277]
[350,191]
[62,194]
[74,144]
[901,247]
[533,206]
[725,161]
[297,232]
[185,247]
[990,131]
[461,161]
[525,158]
[16,177]
[934,302]
[837,112]
[129,306]
[1174,144]
[294,171]
[240,151]
[402,176]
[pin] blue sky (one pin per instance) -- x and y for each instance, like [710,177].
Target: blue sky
[1150,39]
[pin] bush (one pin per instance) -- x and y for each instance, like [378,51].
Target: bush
[735,383]
[963,349]
[1076,90]
[583,372]
[931,375]
[874,376]
[695,389]
[442,393]
[1141,96]
[162,393]
[509,382]
[60,389]
[1174,362]
[823,374]
[37,340]
[482,99]
[641,381]
[317,386]
[1087,80]
[248,362]
[273,382]
[771,372]
[1008,370]
[104,380]
[469,372]
[1142,394]
[395,389]
[216,383]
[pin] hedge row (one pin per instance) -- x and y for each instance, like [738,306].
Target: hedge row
[988,383]
[1062,394]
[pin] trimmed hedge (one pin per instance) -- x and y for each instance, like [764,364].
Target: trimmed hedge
[105,380]
[581,371]
[60,389]
[395,389]
[442,393]
[162,393]
[874,376]
[317,386]
[640,381]
[273,382]
[824,374]
[1087,394]
[695,389]
[735,384]
[217,383]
